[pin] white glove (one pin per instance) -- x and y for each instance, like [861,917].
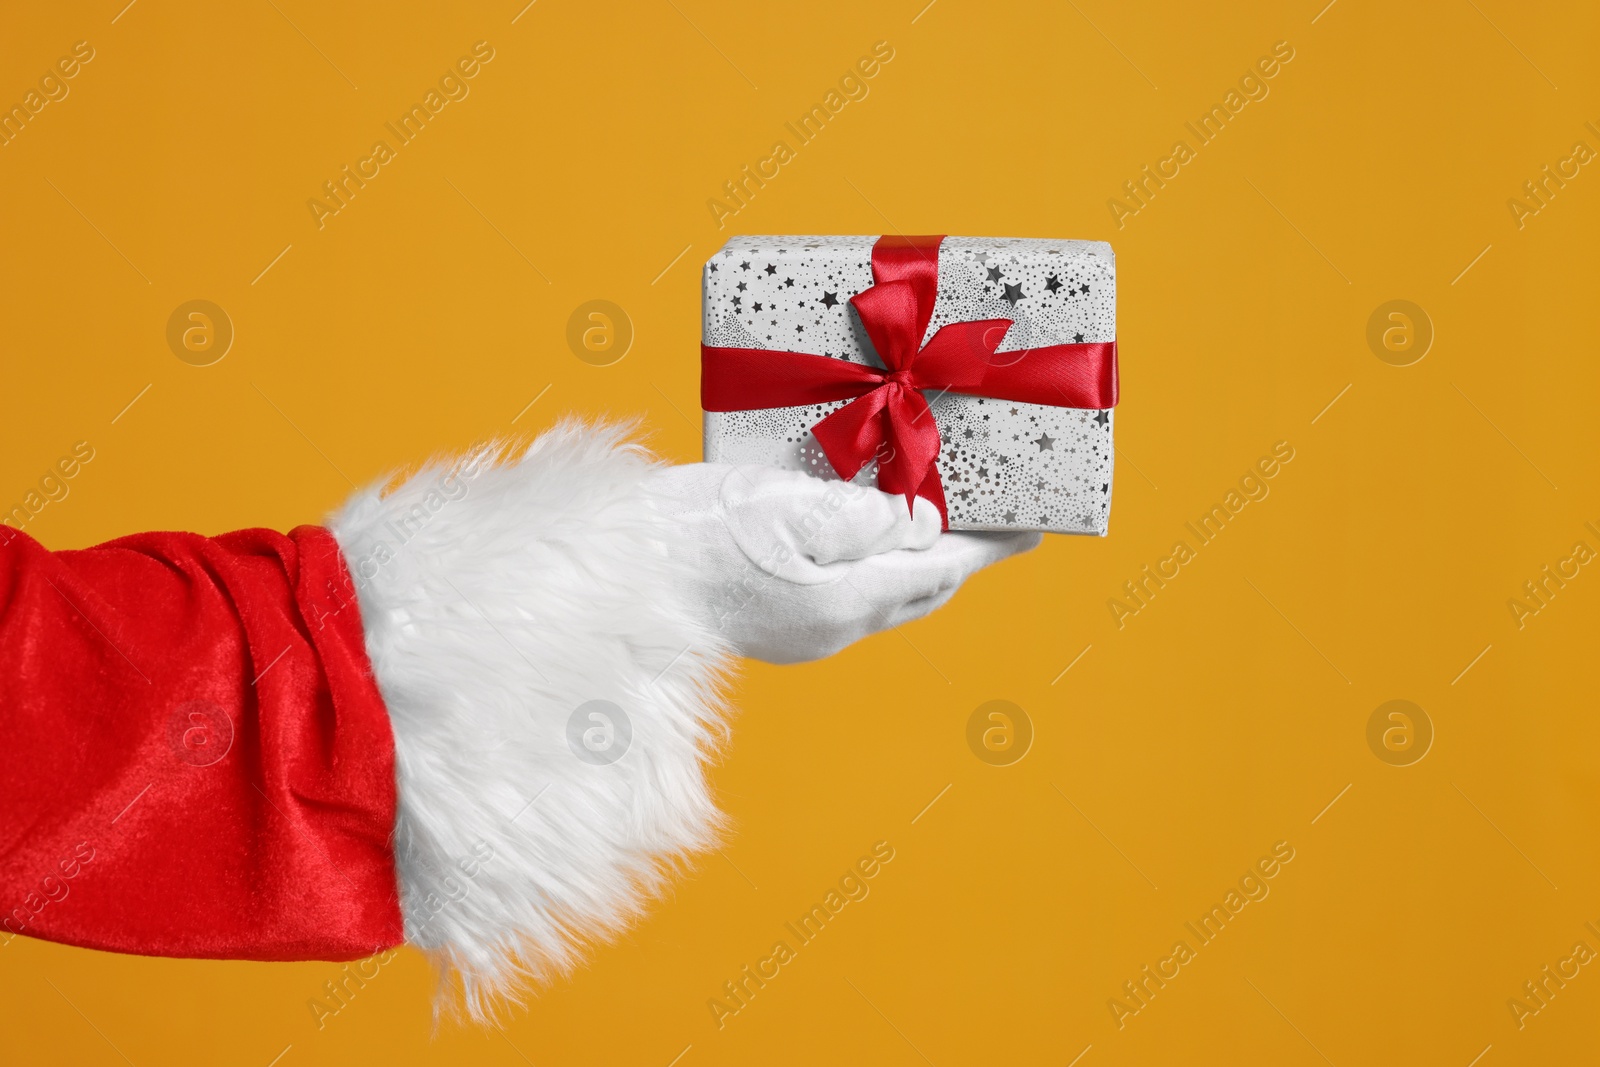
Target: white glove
[793,568]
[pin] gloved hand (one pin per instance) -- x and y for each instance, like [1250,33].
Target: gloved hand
[793,568]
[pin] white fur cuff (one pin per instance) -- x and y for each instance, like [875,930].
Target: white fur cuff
[554,699]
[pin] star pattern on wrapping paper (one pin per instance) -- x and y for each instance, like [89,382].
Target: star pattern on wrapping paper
[1004,485]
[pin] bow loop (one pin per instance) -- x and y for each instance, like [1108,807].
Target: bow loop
[958,357]
[890,314]
[851,437]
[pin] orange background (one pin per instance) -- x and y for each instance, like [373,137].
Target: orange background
[1224,717]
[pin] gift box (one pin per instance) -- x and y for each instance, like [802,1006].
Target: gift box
[978,372]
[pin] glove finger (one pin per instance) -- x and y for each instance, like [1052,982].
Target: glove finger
[808,522]
[870,522]
[896,579]
[957,556]
[916,609]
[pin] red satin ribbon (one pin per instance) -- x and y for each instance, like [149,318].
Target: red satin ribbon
[888,418]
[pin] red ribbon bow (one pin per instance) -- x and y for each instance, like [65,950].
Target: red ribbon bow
[888,418]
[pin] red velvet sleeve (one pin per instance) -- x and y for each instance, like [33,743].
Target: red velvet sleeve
[194,757]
